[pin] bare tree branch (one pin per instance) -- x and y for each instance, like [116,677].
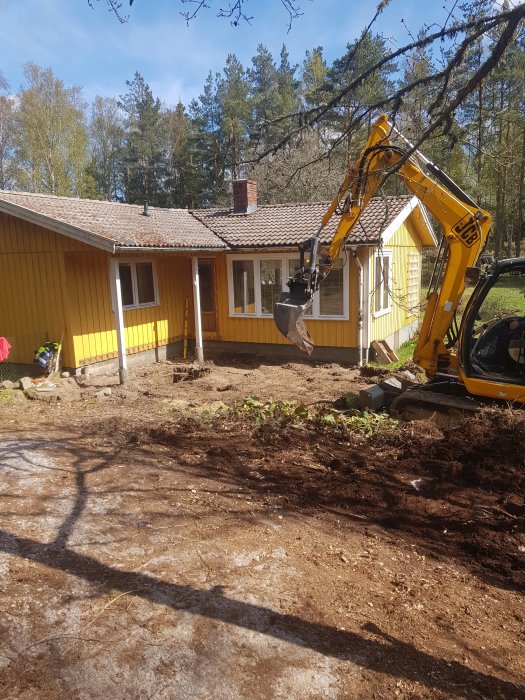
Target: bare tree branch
[473,29]
[115,7]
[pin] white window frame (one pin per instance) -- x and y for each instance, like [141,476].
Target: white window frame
[387,309]
[133,263]
[285,264]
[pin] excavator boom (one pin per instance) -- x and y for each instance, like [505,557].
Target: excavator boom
[465,228]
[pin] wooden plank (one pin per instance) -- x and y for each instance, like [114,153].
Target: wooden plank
[384,353]
[391,354]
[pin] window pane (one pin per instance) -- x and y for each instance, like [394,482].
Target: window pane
[126,285]
[271,284]
[293,266]
[386,282]
[206,286]
[243,287]
[377,285]
[331,294]
[145,286]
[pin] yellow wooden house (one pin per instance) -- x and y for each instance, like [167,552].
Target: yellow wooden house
[119,283]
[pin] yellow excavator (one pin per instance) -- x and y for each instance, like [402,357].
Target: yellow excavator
[470,360]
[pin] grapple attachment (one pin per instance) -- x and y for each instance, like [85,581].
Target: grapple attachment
[288,316]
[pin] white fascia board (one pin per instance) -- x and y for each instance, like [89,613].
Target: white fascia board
[428,223]
[168,249]
[396,223]
[60,227]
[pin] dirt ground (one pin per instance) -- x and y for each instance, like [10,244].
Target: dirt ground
[155,545]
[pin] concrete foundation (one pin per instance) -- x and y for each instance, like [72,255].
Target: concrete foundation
[281,352]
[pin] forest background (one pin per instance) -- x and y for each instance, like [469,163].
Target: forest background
[292,128]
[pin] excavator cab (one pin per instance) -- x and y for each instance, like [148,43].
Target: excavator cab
[492,339]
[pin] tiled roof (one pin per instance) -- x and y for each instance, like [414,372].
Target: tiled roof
[291,224]
[121,224]
[124,225]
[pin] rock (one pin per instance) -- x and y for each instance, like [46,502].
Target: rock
[65,375]
[86,371]
[6,384]
[19,396]
[103,393]
[25,383]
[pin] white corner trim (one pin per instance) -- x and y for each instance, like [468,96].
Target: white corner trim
[398,220]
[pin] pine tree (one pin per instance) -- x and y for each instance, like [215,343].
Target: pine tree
[144,162]
[232,95]
[360,56]
[264,96]
[207,146]
[183,180]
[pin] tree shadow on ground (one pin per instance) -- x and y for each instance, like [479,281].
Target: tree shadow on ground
[380,653]
[308,470]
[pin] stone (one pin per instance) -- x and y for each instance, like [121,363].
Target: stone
[25,383]
[65,375]
[6,384]
[103,393]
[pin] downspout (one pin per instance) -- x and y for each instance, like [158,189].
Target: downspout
[199,352]
[360,297]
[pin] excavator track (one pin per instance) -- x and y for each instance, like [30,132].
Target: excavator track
[417,404]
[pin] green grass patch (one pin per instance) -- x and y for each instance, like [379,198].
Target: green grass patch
[404,353]
[6,395]
[296,412]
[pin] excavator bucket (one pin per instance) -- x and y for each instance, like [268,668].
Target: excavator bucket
[288,316]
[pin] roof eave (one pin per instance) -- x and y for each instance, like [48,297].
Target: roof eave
[77,234]
[171,249]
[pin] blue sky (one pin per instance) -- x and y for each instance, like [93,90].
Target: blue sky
[88,47]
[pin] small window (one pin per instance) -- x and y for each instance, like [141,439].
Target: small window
[137,284]
[382,282]
[145,284]
[243,287]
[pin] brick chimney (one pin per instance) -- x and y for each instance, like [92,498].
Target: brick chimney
[244,196]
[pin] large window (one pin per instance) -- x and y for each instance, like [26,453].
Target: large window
[382,282]
[256,283]
[138,284]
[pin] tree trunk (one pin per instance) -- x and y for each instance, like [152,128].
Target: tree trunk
[520,231]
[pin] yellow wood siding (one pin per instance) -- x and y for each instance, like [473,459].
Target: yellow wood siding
[93,320]
[327,333]
[32,277]
[53,287]
[401,245]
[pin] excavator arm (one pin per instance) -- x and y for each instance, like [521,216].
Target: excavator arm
[465,228]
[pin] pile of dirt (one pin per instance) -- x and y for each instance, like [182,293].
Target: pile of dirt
[457,492]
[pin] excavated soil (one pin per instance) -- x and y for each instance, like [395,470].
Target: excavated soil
[153,544]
